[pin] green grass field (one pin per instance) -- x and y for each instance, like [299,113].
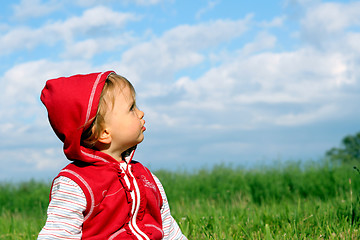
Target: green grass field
[285,202]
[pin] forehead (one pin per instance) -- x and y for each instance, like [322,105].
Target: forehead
[125,93]
[118,89]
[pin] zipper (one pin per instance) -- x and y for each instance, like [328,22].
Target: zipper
[135,195]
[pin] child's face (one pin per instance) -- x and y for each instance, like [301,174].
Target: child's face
[124,122]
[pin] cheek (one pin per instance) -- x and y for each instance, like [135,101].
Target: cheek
[132,124]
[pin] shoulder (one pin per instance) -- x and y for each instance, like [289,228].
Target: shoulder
[65,191]
[67,185]
[138,165]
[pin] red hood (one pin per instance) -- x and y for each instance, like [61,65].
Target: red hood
[71,102]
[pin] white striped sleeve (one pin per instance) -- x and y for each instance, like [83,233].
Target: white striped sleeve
[170,227]
[65,212]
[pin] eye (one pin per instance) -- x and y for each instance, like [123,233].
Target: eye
[132,107]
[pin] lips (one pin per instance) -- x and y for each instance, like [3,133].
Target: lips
[143,127]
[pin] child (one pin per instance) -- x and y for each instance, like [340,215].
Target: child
[102,193]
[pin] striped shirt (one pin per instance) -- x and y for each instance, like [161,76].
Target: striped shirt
[68,202]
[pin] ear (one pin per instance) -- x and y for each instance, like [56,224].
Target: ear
[105,137]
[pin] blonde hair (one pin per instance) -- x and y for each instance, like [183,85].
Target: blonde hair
[113,84]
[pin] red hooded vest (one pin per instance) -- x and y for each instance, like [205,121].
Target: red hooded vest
[123,200]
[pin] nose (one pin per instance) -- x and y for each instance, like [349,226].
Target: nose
[140,113]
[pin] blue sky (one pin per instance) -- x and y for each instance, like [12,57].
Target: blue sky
[234,82]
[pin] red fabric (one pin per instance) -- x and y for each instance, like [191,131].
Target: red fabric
[109,202]
[68,100]
[71,102]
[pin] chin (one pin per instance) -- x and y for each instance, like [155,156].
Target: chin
[141,139]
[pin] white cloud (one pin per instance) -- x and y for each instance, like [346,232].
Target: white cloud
[276,22]
[88,48]
[125,2]
[179,48]
[34,8]
[207,34]
[97,22]
[242,85]
[352,43]
[310,116]
[263,41]
[147,2]
[89,3]
[4,27]
[26,163]
[24,82]
[242,81]
[210,5]
[326,21]
[96,17]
